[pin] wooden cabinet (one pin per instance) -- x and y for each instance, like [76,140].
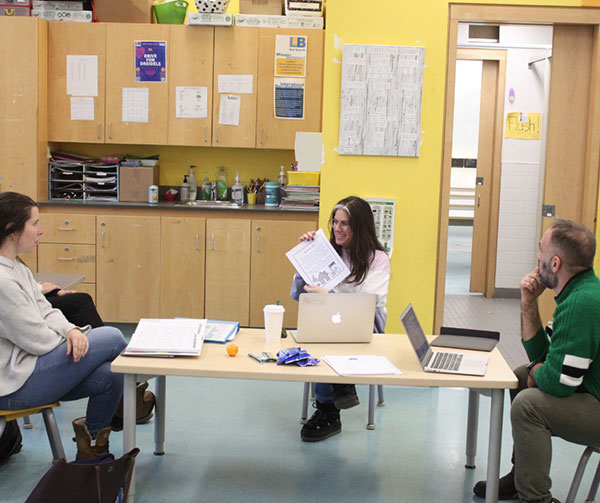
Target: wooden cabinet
[182,246]
[23,105]
[68,246]
[227,292]
[271,272]
[190,64]
[236,53]
[74,39]
[128,265]
[272,132]
[120,75]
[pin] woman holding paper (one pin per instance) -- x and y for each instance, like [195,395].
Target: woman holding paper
[352,234]
[43,357]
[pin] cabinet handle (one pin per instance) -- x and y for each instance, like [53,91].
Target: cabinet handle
[65,259]
[478,200]
[206,134]
[261,136]
[258,244]
[110,131]
[217,135]
[102,239]
[66,229]
[213,243]
[98,130]
[197,242]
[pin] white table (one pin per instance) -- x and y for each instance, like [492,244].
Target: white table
[214,363]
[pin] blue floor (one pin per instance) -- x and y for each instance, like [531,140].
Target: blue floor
[458,259]
[238,441]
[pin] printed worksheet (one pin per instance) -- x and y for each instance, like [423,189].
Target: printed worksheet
[318,263]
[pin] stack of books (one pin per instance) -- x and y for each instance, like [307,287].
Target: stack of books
[301,196]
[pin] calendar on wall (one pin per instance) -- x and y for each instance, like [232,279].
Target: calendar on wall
[380,111]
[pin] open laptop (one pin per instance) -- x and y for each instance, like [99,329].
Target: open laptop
[439,361]
[339,317]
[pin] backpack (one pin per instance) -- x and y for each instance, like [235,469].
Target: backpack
[10,440]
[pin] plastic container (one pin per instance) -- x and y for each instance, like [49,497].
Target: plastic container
[272,194]
[303,177]
[184,192]
[282,178]
[237,191]
[170,12]
[221,184]
[212,6]
[193,184]
[205,189]
[153,194]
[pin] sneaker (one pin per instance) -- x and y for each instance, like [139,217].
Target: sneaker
[506,487]
[344,396]
[324,423]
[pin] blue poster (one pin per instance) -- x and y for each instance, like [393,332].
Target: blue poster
[150,61]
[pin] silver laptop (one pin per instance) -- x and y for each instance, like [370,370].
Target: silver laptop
[339,317]
[447,362]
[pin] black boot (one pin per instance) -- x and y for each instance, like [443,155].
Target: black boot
[143,407]
[506,487]
[324,423]
[344,396]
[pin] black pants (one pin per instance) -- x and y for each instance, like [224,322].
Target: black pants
[78,308]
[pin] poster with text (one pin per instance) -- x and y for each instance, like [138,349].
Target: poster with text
[150,61]
[289,98]
[523,126]
[290,55]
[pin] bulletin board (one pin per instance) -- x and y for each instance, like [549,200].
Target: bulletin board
[380,112]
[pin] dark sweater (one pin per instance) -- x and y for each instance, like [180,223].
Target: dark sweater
[571,359]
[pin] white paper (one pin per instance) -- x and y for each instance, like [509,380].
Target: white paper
[308,148]
[82,108]
[361,365]
[290,55]
[135,104]
[241,84]
[191,102]
[175,336]
[318,263]
[82,75]
[229,110]
[384,211]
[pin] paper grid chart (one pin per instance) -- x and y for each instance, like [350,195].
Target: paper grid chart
[380,111]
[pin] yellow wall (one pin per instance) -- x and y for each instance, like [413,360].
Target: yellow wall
[413,182]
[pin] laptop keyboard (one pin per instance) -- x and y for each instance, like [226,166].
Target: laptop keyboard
[446,361]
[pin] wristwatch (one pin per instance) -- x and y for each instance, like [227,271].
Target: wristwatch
[530,366]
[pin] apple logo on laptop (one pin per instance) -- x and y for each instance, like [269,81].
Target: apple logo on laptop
[336,318]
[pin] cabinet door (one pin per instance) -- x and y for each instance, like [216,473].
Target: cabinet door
[23,149]
[74,39]
[120,74]
[128,261]
[227,290]
[281,133]
[271,272]
[190,64]
[182,267]
[68,259]
[236,53]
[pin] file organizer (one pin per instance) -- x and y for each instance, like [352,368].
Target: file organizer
[83,181]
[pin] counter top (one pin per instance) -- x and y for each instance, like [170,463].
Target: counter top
[255,208]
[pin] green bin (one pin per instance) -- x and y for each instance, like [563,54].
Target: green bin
[170,12]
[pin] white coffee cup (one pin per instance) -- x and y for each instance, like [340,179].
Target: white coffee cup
[273,321]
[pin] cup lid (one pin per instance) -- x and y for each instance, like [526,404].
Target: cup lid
[274,308]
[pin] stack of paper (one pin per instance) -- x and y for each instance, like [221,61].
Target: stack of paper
[167,337]
[221,331]
[355,365]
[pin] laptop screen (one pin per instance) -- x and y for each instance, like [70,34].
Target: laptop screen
[415,332]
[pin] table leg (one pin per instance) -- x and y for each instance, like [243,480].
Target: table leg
[129,395]
[305,398]
[493,467]
[160,416]
[472,424]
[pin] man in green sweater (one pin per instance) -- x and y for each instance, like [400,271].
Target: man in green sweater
[559,391]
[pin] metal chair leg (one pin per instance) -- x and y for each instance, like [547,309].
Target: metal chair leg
[371,420]
[305,398]
[27,423]
[313,387]
[594,487]
[53,434]
[579,474]
[380,399]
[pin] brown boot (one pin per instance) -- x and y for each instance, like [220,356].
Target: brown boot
[144,403]
[87,447]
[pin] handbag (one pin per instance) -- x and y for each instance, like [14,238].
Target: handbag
[97,480]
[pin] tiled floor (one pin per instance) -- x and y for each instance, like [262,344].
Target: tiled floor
[238,441]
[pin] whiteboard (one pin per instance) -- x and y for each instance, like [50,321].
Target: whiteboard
[380,112]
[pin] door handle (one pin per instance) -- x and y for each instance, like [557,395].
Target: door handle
[65,259]
[258,244]
[102,239]
[217,135]
[66,229]
[213,243]
[478,199]
[98,130]
[110,131]
[205,134]
[197,242]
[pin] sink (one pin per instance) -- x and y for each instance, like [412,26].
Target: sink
[210,204]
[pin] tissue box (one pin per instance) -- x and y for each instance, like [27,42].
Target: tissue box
[134,182]
[303,177]
[267,7]
[278,21]
[78,16]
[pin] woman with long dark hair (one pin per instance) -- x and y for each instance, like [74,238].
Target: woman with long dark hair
[44,357]
[352,234]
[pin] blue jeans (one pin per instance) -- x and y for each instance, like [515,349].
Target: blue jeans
[57,377]
[324,392]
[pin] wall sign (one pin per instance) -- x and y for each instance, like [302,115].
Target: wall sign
[150,61]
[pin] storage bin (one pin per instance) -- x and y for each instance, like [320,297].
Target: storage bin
[212,6]
[170,12]
[303,177]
